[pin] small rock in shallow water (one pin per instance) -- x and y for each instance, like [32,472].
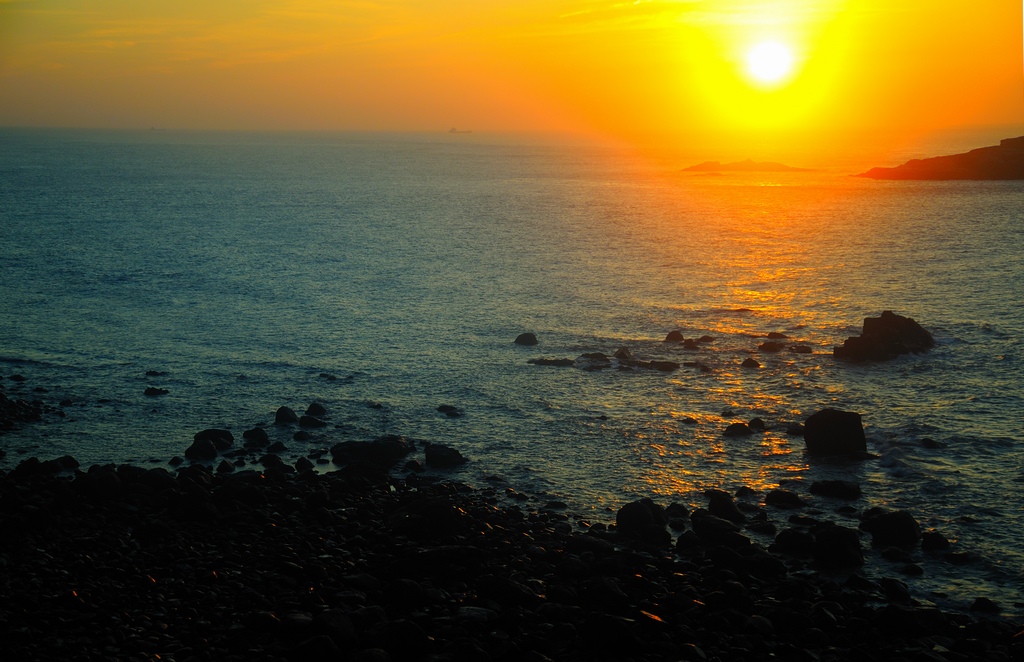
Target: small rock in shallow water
[557,363]
[526,339]
[285,416]
[750,363]
[933,540]
[784,499]
[153,391]
[738,430]
[311,422]
[315,409]
[443,457]
[449,410]
[896,528]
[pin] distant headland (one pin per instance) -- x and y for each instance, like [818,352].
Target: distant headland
[1002,161]
[743,166]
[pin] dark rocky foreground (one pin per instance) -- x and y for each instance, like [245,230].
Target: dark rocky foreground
[129,563]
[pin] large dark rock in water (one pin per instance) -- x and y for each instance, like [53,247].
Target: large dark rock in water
[1003,161]
[201,449]
[285,416]
[525,339]
[835,432]
[884,338]
[220,439]
[381,453]
[442,457]
[896,528]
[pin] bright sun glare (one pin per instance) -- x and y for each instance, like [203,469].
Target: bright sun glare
[769,61]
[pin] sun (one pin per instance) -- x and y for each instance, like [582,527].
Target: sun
[769,62]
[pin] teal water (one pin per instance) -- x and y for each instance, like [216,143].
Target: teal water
[246,266]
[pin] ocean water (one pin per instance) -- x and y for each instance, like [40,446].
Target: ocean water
[247,267]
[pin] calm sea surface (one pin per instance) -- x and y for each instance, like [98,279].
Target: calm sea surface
[247,267]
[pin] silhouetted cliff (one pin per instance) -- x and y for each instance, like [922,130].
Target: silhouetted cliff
[1003,161]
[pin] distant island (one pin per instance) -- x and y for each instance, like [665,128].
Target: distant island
[1002,161]
[743,166]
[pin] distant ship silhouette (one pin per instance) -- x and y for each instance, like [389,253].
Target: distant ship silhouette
[454,130]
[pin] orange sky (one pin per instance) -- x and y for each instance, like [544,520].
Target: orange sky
[657,71]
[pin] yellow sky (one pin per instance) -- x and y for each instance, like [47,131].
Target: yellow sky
[643,70]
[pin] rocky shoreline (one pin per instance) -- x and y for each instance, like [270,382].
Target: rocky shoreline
[130,563]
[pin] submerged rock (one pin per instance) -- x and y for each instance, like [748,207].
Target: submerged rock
[558,363]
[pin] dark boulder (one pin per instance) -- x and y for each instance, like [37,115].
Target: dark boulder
[663,366]
[316,409]
[837,547]
[256,438]
[834,432]
[526,339]
[381,453]
[285,416]
[200,450]
[884,338]
[794,542]
[933,541]
[721,504]
[771,347]
[221,439]
[674,336]
[442,457]
[451,411]
[643,520]
[738,430]
[750,363]
[712,530]
[895,528]
[311,422]
[153,392]
[784,499]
